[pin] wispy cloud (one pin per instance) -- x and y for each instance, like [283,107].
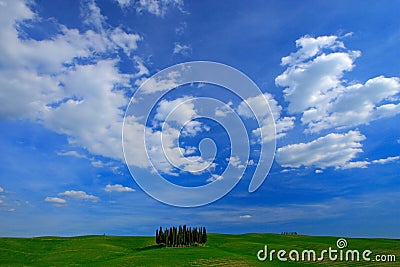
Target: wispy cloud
[215,177]
[386,160]
[182,49]
[79,195]
[158,8]
[72,153]
[92,16]
[55,200]
[365,164]
[118,188]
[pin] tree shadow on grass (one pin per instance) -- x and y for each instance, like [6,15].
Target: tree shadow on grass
[148,247]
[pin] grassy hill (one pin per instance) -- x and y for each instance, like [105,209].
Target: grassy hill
[220,250]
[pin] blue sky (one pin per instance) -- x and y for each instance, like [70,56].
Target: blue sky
[330,73]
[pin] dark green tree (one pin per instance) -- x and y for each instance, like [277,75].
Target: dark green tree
[157,237]
[181,236]
[204,235]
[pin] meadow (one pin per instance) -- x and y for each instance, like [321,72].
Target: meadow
[220,250]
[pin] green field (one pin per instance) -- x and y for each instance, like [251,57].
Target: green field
[220,250]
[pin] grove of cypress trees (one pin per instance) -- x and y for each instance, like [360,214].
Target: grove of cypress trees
[181,236]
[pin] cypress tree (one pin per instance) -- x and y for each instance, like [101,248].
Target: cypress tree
[166,237]
[157,237]
[184,235]
[173,237]
[180,237]
[196,236]
[161,236]
[204,235]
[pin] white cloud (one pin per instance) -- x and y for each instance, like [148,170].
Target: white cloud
[142,70]
[180,110]
[98,163]
[214,177]
[95,162]
[175,116]
[118,188]
[72,153]
[182,49]
[235,161]
[318,171]
[152,85]
[282,124]
[98,132]
[163,147]
[245,216]
[181,29]
[315,88]
[101,164]
[160,145]
[365,164]
[79,195]
[170,152]
[386,160]
[126,41]
[310,84]
[310,47]
[55,200]
[155,7]
[357,104]
[53,89]
[124,3]
[258,105]
[193,127]
[1,190]
[332,150]
[92,15]
[132,132]
[356,164]
[222,111]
